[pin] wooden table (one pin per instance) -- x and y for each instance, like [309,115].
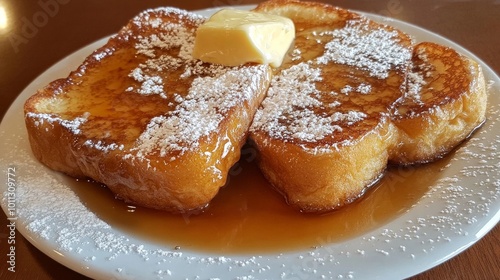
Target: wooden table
[60,27]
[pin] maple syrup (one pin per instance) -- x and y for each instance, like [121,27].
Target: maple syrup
[248,216]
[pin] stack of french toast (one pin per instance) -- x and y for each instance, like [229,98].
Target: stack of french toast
[161,129]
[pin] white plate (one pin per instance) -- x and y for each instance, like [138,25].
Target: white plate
[459,209]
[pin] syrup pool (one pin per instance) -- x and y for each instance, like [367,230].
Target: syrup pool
[248,216]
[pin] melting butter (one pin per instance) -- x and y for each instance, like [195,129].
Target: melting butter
[234,37]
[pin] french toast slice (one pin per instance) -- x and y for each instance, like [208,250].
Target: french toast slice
[444,102]
[342,106]
[141,116]
[323,132]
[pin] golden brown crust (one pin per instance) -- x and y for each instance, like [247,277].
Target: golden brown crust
[319,182]
[307,14]
[449,105]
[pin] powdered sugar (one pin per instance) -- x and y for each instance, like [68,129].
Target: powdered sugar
[104,53]
[200,112]
[168,36]
[287,111]
[149,84]
[416,77]
[375,50]
[73,125]
[147,45]
[362,88]
[414,86]
[100,145]
[152,17]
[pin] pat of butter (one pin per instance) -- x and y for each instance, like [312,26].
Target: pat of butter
[234,37]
